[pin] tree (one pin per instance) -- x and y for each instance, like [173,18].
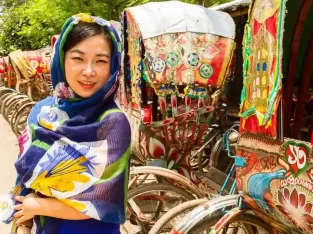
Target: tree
[13,20]
[29,24]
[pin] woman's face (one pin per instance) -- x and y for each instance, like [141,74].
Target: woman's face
[87,65]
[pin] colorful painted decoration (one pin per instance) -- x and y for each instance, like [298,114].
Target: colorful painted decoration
[262,67]
[158,65]
[206,71]
[202,56]
[297,156]
[277,181]
[193,60]
[171,77]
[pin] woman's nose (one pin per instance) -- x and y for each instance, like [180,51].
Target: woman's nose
[88,70]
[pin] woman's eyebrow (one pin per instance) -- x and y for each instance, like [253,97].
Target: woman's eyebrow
[103,55]
[78,51]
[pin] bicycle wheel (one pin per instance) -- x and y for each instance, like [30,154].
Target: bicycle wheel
[242,224]
[148,202]
[15,112]
[200,159]
[10,106]
[5,97]
[21,120]
[4,90]
[219,158]
[168,221]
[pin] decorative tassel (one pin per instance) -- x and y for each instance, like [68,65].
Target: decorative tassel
[174,104]
[162,103]
[188,103]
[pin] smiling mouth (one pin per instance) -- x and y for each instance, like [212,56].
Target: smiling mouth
[87,84]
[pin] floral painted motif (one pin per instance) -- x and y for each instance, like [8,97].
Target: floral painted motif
[174,104]
[187,103]
[173,141]
[156,148]
[295,206]
[273,187]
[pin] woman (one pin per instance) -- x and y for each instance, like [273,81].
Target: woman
[74,154]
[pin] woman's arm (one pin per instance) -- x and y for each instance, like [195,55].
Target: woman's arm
[51,207]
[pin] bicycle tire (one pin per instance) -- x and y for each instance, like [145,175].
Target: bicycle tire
[5,96]
[23,110]
[4,90]
[170,215]
[12,103]
[146,188]
[6,101]
[216,157]
[246,218]
[16,111]
[159,187]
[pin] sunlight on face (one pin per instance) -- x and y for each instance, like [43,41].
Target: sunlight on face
[87,65]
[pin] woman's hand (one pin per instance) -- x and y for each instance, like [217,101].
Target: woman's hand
[51,207]
[28,208]
[23,230]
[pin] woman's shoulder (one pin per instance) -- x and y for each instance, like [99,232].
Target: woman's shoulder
[115,119]
[114,112]
[49,101]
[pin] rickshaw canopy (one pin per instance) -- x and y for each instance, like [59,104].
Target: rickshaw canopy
[157,18]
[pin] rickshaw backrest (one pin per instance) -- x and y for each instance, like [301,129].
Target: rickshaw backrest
[39,60]
[7,72]
[29,68]
[277,179]
[4,62]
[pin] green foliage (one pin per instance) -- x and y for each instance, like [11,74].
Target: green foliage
[14,19]
[29,24]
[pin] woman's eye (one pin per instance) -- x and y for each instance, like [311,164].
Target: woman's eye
[77,58]
[102,61]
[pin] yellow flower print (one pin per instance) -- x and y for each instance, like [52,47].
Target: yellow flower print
[77,205]
[61,177]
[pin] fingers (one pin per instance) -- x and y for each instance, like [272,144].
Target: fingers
[18,214]
[18,207]
[20,221]
[31,195]
[20,198]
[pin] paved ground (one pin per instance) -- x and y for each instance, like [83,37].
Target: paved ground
[8,154]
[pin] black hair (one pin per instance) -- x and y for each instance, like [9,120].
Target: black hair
[82,31]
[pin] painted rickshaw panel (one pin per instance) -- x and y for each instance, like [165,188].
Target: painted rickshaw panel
[39,60]
[262,67]
[277,180]
[5,71]
[171,67]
